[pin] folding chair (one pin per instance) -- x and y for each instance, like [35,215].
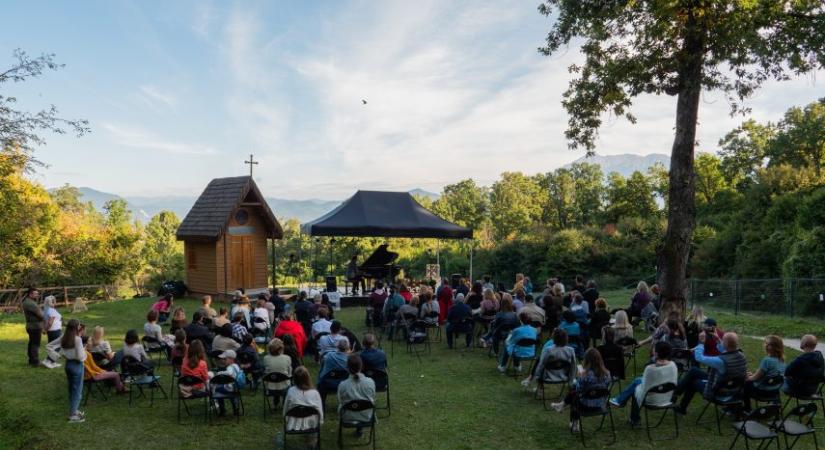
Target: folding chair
[357,406]
[681,357]
[768,391]
[275,394]
[758,425]
[101,360]
[190,382]
[177,362]
[303,412]
[140,375]
[467,326]
[802,426]
[261,336]
[402,323]
[382,384]
[417,335]
[728,393]
[664,388]
[227,381]
[501,335]
[524,342]
[604,411]
[329,384]
[628,341]
[245,362]
[615,365]
[153,346]
[816,397]
[557,366]
[88,388]
[434,325]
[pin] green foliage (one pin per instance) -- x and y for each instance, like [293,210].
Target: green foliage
[800,139]
[515,204]
[162,252]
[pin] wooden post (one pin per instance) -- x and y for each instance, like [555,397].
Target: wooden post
[65,296]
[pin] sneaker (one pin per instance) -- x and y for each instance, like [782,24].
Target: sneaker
[77,418]
[525,383]
[502,369]
[615,402]
[574,426]
[557,406]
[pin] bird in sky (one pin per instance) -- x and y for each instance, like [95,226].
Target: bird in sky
[363,101]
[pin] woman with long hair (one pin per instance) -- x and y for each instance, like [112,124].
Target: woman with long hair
[771,365]
[356,387]
[71,347]
[291,350]
[593,375]
[693,326]
[303,393]
[194,364]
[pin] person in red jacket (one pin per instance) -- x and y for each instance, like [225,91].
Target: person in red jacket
[288,325]
[445,300]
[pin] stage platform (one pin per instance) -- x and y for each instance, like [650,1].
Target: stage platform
[348,301]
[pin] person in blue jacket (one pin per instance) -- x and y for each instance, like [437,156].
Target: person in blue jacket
[518,352]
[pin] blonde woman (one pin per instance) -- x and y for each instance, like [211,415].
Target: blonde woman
[622,327]
[694,325]
[640,300]
[772,364]
[99,345]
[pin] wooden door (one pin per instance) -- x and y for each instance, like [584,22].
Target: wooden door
[242,262]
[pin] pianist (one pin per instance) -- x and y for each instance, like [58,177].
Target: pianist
[354,276]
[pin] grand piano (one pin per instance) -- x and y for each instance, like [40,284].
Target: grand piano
[379,265]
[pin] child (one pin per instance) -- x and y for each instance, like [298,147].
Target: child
[220,392]
[162,306]
[179,348]
[132,348]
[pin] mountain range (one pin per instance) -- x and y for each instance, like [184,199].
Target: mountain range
[305,210]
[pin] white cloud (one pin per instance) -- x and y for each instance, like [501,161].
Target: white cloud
[155,98]
[138,138]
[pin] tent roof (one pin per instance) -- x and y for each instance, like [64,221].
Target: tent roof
[384,214]
[212,210]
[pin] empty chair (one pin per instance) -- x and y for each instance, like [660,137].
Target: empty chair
[728,394]
[798,422]
[382,384]
[758,424]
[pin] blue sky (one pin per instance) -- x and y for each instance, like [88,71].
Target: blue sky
[178,93]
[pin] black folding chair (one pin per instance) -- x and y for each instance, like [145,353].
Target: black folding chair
[230,392]
[556,366]
[604,411]
[629,356]
[101,360]
[89,385]
[501,335]
[355,406]
[275,394]
[401,324]
[303,412]
[524,343]
[417,335]
[177,362]
[261,336]
[803,424]
[768,390]
[432,324]
[615,365]
[728,394]
[646,406]
[329,384]
[153,346]
[817,396]
[382,384]
[188,383]
[247,362]
[139,375]
[467,326]
[757,424]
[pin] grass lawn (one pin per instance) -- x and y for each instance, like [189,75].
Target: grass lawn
[453,399]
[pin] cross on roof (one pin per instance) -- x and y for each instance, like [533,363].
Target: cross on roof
[251,163]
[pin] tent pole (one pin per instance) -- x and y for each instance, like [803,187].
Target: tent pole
[471,262]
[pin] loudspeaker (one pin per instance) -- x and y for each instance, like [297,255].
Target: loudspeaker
[332,284]
[454,280]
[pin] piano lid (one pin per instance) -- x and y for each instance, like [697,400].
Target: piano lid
[380,257]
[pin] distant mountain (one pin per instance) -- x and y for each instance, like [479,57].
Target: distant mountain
[144,208]
[624,164]
[423,193]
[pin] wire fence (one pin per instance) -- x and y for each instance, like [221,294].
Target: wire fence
[781,296]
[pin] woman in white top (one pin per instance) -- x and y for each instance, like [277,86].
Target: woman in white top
[662,371]
[429,306]
[71,347]
[302,393]
[262,313]
[53,319]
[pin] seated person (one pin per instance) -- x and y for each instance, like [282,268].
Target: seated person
[206,309]
[276,362]
[662,371]
[713,335]
[459,320]
[322,325]
[152,329]
[178,320]
[132,348]
[505,320]
[248,359]
[223,341]
[801,373]
[92,371]
[302,393]
[163,307]
[179,348]
[731,363]
[574,331]
[533,311]
[771,365]
[328,343]
[622,329]
[194,365]
[671,331]
[222,319]
[221,392]
[599,319]
[100,346]
[336,360]
[291,350]
[372,357]
[429,305]
[197,331]
[241,305]
[355,387]
[580,308]
[407,309]
[378,297]
[592,376]
[289,326]
[612,354]
[513,349]
[394,302]
[554,349]
[261,313]
[239,330]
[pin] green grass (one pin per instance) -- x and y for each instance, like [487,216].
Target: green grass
[453,400]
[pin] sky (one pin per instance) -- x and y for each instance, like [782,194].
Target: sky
[178,93]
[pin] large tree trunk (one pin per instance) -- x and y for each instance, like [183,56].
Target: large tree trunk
[681,219]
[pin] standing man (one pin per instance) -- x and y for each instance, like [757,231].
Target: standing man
[34,325]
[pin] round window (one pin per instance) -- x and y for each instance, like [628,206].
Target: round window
[241,217]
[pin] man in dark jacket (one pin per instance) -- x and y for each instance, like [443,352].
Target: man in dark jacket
[34,325]
[198,331]
[803,374]
[459,320]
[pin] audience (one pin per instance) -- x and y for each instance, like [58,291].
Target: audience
[53,321]
[693,326]
[99,345]
[444,295]
[591,294]
[372,357]
[771,365]
[553,302]
[429,307]
[505,320]
[224,341]
[222,391]
[355,387]
[162,307]
[336,360]
[593,375]
[532,310]
[289,326]
[302,393]
[639,301]
[459,320]
[152,329]
[291,350]
[92,371]
[194,365]
[276,362]
[178,320]
[729,364]
[513,349]
[133,349]
[197,331]
[206,309]
[241,306]
[239,330]
[662,371]
[378,297]
[222,319]
[322,325]
[803,374]
[262,314]
[555,349]
[599,319]
[612,354]
[329,342]
[34,325]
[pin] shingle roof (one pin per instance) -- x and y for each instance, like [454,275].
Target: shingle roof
[212,210]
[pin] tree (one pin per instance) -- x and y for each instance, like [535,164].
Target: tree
[561,197]
[21,128]
[800,137]
[743,150]
[515,203]
[709,178]
[464,203]
[162,251]
[629,197]
[678,48]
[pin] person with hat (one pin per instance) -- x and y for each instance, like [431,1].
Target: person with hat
[220,392]
[713,335]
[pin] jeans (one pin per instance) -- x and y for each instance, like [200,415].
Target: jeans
[692,382]
[628,392]
[454,330]
[74,375]
[33,348]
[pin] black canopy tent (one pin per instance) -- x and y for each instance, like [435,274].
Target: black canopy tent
[385,214]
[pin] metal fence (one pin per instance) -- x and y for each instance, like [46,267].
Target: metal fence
[10,299]
[785,296]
